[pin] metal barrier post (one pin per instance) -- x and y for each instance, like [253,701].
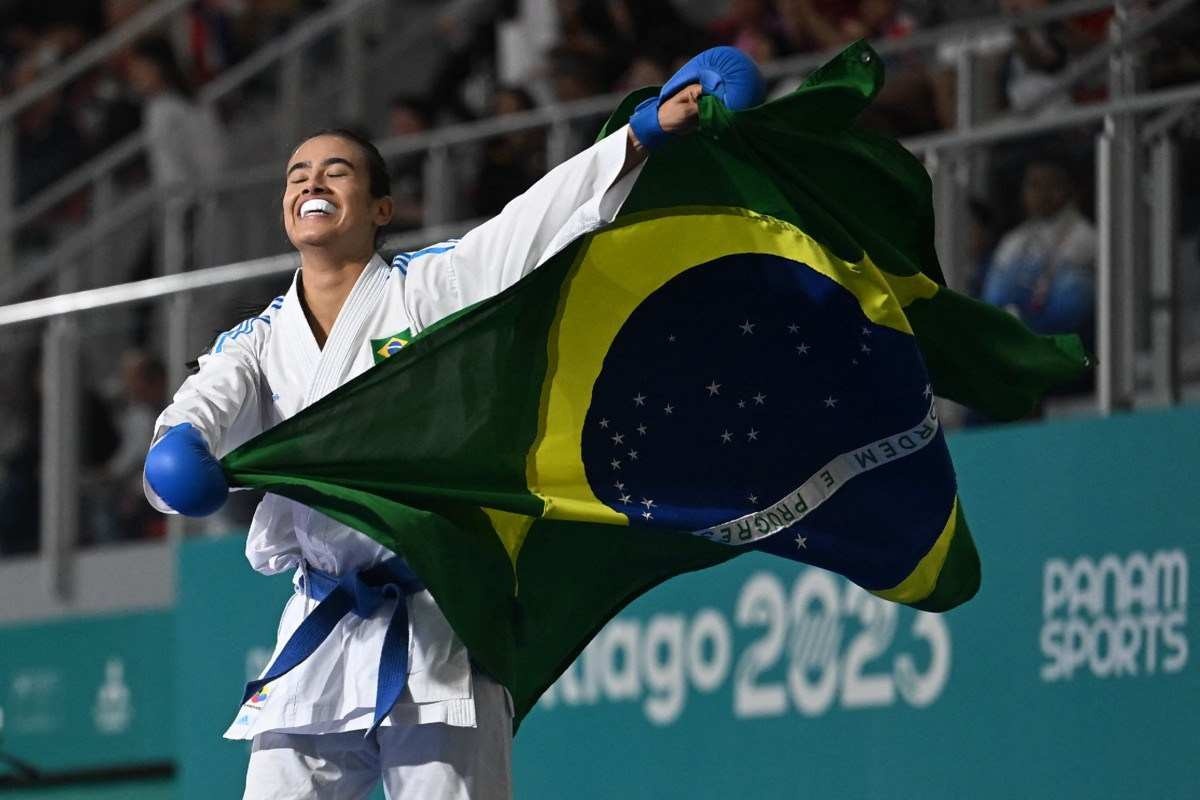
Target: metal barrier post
[1126,289]
[1108,351]
[558,143]
[952,178]
[8,182]
[177,308]
[173,310]
[353,69]
[104,195]
[1164,272]
[948,204]
[291,87]
[60,467]
[439,187]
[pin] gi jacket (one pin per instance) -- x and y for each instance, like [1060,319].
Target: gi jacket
[269,367]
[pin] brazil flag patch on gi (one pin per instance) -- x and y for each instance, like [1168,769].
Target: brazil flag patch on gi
[388,346]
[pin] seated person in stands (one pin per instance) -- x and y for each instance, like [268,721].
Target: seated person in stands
[1043,269]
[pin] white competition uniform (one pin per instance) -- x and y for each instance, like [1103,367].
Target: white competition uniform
[269,367]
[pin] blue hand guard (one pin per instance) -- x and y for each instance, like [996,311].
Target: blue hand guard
[181,470]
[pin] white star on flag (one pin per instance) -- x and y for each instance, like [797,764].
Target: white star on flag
[747,327]
[802,349]
[864,348]
[639,399]
[671,338]
[830,401]
[726,437]
[633,455]
[928,390]
[620,486]
[801,542]
[618,438]
[604,423]
[753,499]
[647,502]
[759,399]
[866,331]
[615,464]
[713,388]
[793,328]
[626,498]
[741,403]
[670,409]
[752,435]
[647,515]
[642,429]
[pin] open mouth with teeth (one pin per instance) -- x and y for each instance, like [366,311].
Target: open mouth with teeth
[316,208]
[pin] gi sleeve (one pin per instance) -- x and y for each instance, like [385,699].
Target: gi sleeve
[575,198]
[222,399]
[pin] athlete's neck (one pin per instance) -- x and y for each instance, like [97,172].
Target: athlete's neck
[324,285]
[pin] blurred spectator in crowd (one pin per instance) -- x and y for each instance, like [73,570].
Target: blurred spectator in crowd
[981,244]
[20,487]
[835,23]
[751,26]
[608,35]
[467,78]
[211,45]
[511,162]
[48,142]
[1041,52]
[577,75]
[644,71]
[116,484]
[408,116]
[1043,270]
[1174,56]
[184,140]
[20,496]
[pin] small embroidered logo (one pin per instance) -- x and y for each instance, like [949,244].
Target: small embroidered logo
[390,345]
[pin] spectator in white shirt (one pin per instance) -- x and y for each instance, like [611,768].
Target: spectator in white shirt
[184,140]
[1043,269]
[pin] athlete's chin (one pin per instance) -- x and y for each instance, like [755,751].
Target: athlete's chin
[312,239]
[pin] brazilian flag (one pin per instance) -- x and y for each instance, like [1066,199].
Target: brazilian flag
[745,360]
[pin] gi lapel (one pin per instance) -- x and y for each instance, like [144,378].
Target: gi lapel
[302,355]
[349,331]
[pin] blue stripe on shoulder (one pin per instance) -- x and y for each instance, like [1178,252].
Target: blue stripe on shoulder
[243,327]
[402,260]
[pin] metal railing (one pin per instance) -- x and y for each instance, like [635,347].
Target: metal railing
[1131,127]
[343,19]
[285,54]
[148,19]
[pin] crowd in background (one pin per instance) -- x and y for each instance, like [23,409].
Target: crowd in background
[1032,243]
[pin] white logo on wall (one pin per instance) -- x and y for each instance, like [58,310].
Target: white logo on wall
[1116,616]
[35,701]
[114,707]
[827,641]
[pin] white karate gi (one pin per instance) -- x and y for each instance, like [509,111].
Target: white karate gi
[269,367]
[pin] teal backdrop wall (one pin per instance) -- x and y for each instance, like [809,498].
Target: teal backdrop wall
[1069,676]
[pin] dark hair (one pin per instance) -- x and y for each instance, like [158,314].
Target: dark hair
[158,51]
[377,171]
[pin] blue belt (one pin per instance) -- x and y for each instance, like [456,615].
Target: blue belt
[361,592]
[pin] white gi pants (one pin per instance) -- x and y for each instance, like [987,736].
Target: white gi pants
[415,762]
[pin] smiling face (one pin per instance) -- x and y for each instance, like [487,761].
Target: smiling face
[327,200]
